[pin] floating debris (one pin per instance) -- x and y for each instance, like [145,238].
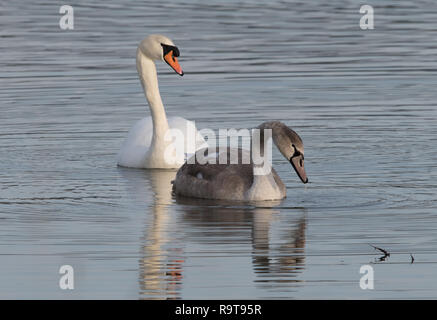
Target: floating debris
[385,252]
[412,258]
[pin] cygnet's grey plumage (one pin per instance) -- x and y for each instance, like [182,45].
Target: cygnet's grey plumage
[234,181]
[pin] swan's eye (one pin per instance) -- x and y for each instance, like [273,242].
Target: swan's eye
[167,48]
[296,153]
[169,56]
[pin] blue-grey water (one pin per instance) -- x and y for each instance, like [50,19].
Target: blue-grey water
[364,102]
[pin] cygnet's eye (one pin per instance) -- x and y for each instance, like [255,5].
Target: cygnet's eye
[296,152]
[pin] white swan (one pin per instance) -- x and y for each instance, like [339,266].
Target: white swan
[149,143]
[238,181]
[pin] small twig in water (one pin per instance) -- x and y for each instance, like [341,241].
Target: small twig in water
[385,252]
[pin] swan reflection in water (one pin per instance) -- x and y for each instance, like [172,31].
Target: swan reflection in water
[161,258]
[277,258]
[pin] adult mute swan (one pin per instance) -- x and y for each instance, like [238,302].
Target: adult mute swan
[149,143]
[241,181]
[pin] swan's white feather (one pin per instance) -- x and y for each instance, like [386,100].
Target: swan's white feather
[133,151]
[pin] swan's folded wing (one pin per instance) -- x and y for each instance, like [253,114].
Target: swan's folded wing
[213,181]
[134,148]
[193,140]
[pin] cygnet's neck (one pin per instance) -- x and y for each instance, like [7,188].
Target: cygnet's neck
[261,148]
[264,185]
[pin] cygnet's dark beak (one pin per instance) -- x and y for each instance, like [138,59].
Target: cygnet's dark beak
[298,165]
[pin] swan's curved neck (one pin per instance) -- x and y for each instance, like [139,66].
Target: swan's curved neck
[147,72]
[261,144]
[264,185]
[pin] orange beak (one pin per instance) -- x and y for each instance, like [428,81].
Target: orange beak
[172,61]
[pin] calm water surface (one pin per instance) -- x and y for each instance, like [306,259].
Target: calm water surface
[364,103]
